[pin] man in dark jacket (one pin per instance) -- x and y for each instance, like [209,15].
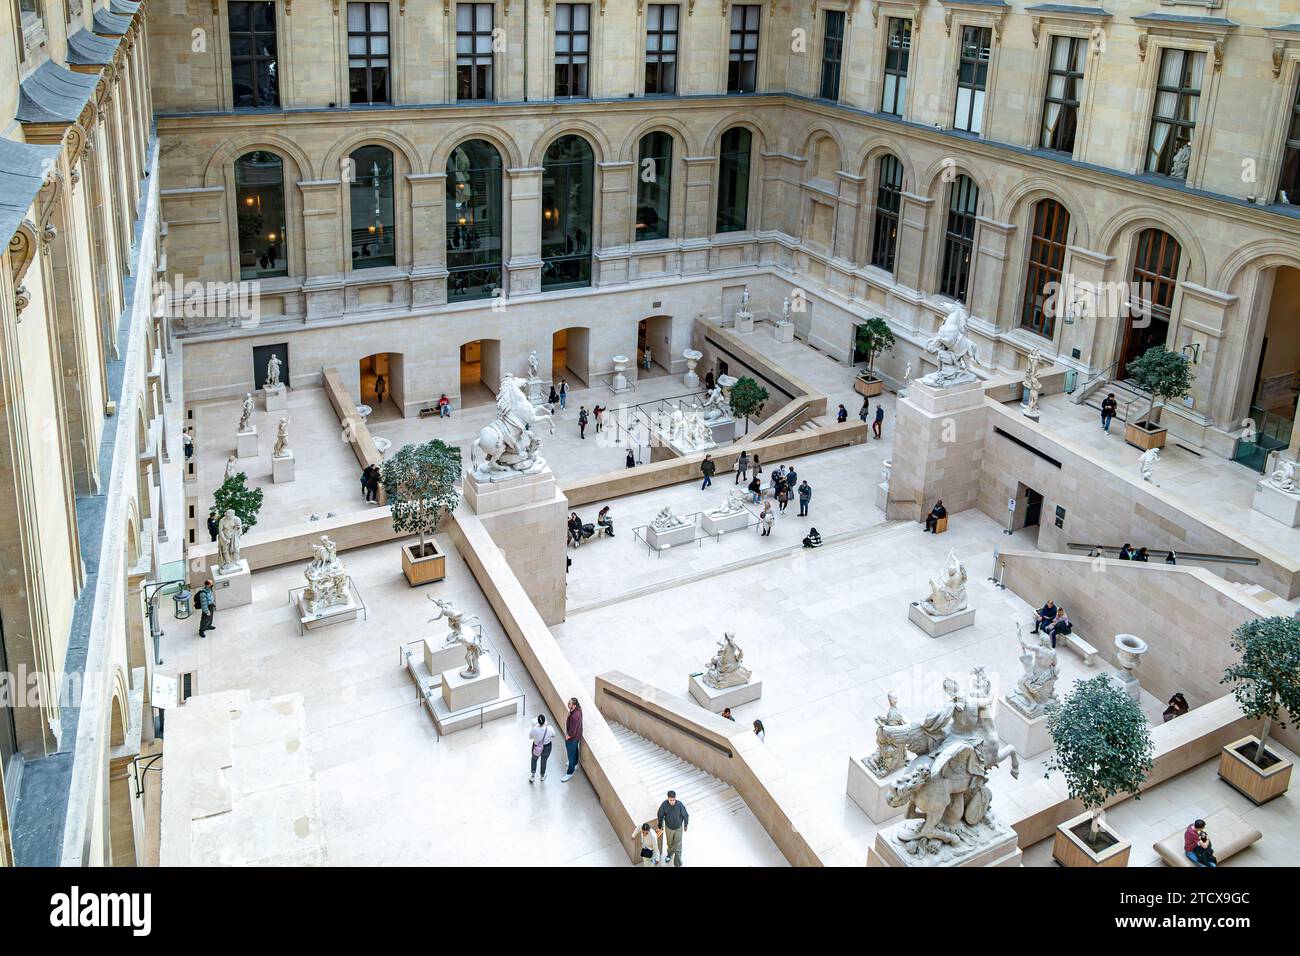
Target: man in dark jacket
[805,497]
[932,519]
[572,738]
[212,523]
[207,603]
[673,817]
[707,468]
[1108,408]
[1045,615]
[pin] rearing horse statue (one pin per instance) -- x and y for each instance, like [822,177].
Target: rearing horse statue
[508,445]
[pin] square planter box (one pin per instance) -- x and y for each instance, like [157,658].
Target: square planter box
[430,567]
[868,387]
[1257,784]
[1068,849]
[1139,435]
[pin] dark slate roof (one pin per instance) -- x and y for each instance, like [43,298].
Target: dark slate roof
[1284,28]
[53,94]
[111,24]
[1067,8]
[22,170]
[1176,18]
[124,8]
[87,49]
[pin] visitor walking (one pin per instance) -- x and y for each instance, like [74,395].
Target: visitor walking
[582,421]
[742,467]
[673,817]
[758,466]
[862,412]
[646,837]
[1108,408]
[645,359]
[707,468]
[189,445]
[631,461]
[380,386]
[791,480]
[805,497]
[564,393]
[759,732]
[880,420]
[842,415]
[373,474]
[212,523]
[206,602]
[766,519]
[783,497]
[541,737]
[553,400]
[598,412]
[572,738]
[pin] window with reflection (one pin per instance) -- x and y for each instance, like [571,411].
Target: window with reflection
[959,237]
[568,176]
[572,48]
[368,52]
[1064,85]
[373,238]
[972,78]
[1046,261]
[889,197]
[654,185]
[898,54]
[832,54]
[661,49]
[733,180]
[473,221]
[260,217]
[1173,118]
[742,61]
[254,77]
[474,51]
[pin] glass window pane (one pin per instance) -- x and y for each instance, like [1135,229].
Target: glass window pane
[261,218]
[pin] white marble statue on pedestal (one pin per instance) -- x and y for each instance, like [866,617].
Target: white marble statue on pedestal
[954,350]
[724,668]
[1147,464]
[667,520]
[744,299]
[533,364]
[232,468]
[699,435]
[272,372]
[459,633]
[891,753]
[246,413]
[715,405]
[1283,478]
[1033,383]
[327,579]
[508,446]
[1036,689]
[281,449]
[229,531]
[733,504]
[948,594]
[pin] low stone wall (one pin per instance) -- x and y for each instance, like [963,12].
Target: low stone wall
[724,748]
[742,360]
[661,474]
[622,793]
[1184,614]
[354,426]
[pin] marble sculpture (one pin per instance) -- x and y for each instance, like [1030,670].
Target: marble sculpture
[724,668]
[1036,690]
[1283,477]
[733,504]
[948,594]
[281,449]
[459,633]
[508,446]
[954,350]
[246,414]
[890,753]
[273,372]
[229,530]
[1147,464]
[666,520]
[327,579]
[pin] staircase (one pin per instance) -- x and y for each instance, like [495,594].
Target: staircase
[1276,603]
[808,426]
[704,795]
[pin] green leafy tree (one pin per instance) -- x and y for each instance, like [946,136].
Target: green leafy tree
[873,338]
[1266,681]
[1163,374]
[419,481]
[1103,745]
[747,398]
[235,495]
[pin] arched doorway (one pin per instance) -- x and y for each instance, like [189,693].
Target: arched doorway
[480,372]
[654,336]
[1275,378]
[383,385]
[570,355]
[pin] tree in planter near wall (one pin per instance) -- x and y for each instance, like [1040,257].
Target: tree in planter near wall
[235,495]
[1266,681]
[747,398]
[1163,374]
[419,481]
[873,338]
[1103,745]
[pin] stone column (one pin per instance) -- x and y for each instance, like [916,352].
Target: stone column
[322,233]
[612,251]
[1202,327]
[847,216]
[699,219]
[429,238]
[524,267]
[1093,332]
[938,450]
[988,269]
[913,223]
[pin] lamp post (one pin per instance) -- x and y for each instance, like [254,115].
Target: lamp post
[181,608]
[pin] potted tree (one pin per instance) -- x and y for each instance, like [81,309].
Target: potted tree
[420,482]
[872,338]
[235,495]
[747,398]
[1266,683]
[1163,375]
[1103,748]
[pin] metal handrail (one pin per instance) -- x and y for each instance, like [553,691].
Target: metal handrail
[1164,552]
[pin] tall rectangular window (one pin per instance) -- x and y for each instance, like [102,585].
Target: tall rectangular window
[1173,119]
[898,53]
[832,54]
[368,52]
[572,48]
[889,197]
[254,79]
[959,238]
[1061,101]
[972,78]
[661,49]
[474,51]
[1288,184]
[1047,248]
[742,64]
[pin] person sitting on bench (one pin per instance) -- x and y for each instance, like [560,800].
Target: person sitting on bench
[932,519]
[1197,846]
[1177,707]
[1059,627]
[1044,616]
[812,539]
[575,527]
[444,406]
[603,520]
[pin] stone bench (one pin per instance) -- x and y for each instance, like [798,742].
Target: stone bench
[1229,835]
[1081,647]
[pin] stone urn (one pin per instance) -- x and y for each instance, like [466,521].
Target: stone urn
[382,445]
[1129,649]
[692,356]
[620,366]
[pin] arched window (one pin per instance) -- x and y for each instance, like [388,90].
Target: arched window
[889,196]
[259,200]
[1151,297]
[568,173]
[733,181]
[1046,260]
[654,186]
[373,239]
[473,221]
[959,237]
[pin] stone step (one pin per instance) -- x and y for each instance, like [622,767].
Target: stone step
[661,770]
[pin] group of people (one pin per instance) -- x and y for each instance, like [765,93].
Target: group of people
[1127,553]
[1052,621]
[370,478]
[541,739]
[578,531]
[598,412]
[842,415]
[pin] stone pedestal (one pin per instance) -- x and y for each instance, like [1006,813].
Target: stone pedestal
[282,469]
[536,394]
[783,331]
[1277,504]
[276,398]
[996,845]
[692,356]
[1129,683]
[868,792]
[459,692]
[246,443]
[744,322]
[938,449]
[882,496]
[715,701]
[620,383]
[737,522]
[232,588]
[939,626]
[724,430]
[660,540]
[338,614]
[440,656]
[1028,735]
